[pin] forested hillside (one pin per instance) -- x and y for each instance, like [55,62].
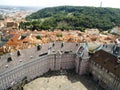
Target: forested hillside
[73,17]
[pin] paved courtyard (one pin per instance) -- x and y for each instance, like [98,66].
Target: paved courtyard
[62,81]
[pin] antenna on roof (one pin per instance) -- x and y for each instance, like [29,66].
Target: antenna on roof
[101,4]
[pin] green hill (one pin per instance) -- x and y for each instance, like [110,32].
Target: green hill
[73,17]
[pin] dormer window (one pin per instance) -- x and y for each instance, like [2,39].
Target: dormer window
[9,59]
[6,66]
[20,60]
[53,44]
[62,44]
[31,57]
[76,44]
[38,47]
[18,53]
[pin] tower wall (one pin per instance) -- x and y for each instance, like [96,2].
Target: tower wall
[77,64]
[83,67]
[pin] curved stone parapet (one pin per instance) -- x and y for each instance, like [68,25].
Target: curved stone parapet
[32,63]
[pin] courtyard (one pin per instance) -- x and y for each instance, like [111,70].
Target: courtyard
[63,80]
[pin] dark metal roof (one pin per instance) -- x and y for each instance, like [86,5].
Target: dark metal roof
[108,61]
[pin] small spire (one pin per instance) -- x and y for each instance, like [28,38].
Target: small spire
[101,4]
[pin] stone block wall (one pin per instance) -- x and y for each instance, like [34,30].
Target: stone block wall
[32,63]
[36,67]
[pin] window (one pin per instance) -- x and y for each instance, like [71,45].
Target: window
[106,46]
[100,67]
[53,51]
[97,65]
[9,59]
[107,71]
[97,55]
[61,51]
[66,52]
[104,62]
[49,48]
[18,53]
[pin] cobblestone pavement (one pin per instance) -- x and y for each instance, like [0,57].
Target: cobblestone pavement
[62,81]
